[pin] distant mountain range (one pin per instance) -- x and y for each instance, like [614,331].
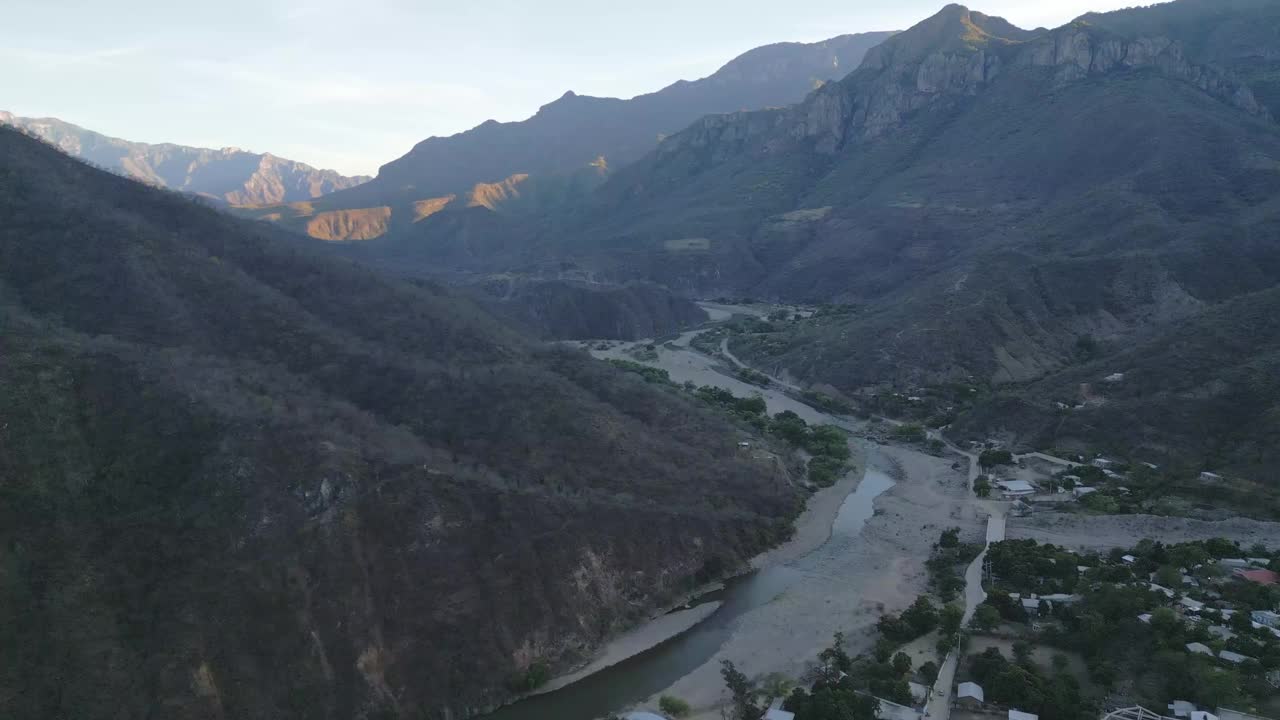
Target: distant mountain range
[568,147]
[229,175]
[985,196]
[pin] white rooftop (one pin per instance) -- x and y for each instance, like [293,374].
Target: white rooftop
[970,690]
[1233,657]
[1019,715]
[1016,486]
[1199,648]
[776,714]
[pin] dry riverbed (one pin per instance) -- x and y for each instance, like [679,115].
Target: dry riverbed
[848,583]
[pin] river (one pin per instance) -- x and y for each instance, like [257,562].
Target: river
[639,677]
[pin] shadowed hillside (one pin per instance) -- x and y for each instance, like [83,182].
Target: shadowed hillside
[240,481]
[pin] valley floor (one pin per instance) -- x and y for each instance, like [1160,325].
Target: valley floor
[847,585]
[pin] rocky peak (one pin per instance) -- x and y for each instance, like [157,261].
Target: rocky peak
[956,52]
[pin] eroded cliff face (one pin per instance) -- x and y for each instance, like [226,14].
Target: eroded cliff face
[955,53]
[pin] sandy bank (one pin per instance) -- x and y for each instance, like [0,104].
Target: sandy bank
[1103,532]
[848,582]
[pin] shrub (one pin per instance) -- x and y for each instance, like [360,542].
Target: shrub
[673,706]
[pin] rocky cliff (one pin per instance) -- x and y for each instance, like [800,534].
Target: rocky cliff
[227,175]
[956,52]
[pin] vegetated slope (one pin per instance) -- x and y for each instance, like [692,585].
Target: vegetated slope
[580,136]
[1204,394]
[566,310]
[984,196]
[228,175]
[241,481]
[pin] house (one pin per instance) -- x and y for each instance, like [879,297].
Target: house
[1062,598]
[744,444]
[1210,477]
[1114,378]
[1161,589]
[1082,490]
[1222,632]
[1196,648]
[1262,577]
[1145,617]
[1128,559]
[1019,715]
[1073,478]
[1181,709]
[1016,488]
[1103,462]
[1190,605]
[1258,562]
[775,711]
[1233,657]
[1031,606]
[1203,715]
[1151,466]
[1234,562]
[1266,617]
[642,716]
[970,694]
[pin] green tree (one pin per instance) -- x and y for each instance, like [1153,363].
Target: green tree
[742,692]
[982,486]
[950,538]
[985,617]
[950,618]
[994,458]
[902,663]
[929,672]
[1169,576]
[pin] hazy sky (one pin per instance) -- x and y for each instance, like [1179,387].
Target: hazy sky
[353,84]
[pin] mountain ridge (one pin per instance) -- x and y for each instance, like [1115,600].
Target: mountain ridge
[571,144]
[227,175]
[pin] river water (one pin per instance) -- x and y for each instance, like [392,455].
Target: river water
[639,677]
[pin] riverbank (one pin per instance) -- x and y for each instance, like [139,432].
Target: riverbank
[635,641]
[848,582]
[813,528]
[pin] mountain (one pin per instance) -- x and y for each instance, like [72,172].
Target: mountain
[567,310]
[244,481]
[983,195]
[229,175]
[1201,394]
[574,140]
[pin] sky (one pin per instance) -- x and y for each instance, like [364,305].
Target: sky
[352,85]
